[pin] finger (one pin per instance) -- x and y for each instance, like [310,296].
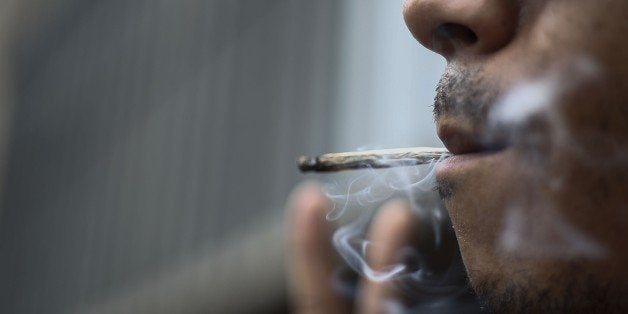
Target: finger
[311,258]
[392,230]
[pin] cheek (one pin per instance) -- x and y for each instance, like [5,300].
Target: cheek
[595,119]
[593,177]
[591,156]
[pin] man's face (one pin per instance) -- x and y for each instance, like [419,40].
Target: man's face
[533,107]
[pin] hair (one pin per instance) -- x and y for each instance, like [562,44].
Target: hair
[574,293]
[464,92]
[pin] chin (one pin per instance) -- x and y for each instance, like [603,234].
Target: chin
[551,287]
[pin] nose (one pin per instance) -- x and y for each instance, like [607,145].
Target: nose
[455,28]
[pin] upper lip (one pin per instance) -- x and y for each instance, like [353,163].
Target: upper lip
[462,137]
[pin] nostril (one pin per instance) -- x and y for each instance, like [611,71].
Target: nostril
[456,32]
[448,38]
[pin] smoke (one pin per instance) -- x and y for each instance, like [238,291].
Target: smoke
[372,187]
[563,241]
[428,273]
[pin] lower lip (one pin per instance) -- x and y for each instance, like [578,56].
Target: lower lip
[459,164]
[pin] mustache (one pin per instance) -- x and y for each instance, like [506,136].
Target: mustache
[465,93]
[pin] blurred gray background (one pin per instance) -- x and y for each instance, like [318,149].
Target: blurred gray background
[147,146]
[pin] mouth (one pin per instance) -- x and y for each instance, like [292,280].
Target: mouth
[473,151]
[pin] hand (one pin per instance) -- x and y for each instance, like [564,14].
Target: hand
[312,260]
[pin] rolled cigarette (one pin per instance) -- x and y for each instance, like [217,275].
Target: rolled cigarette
[384,158]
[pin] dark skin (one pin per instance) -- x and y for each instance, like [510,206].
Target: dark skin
[562,174]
